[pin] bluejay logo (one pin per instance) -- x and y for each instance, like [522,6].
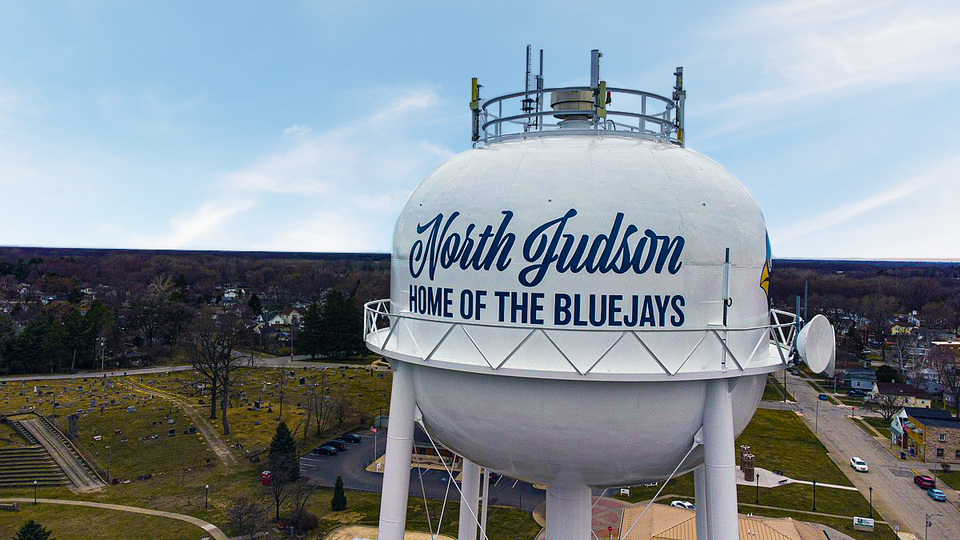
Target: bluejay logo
[767,266]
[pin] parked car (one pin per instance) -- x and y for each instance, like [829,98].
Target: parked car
[936,494]
[325,451]
[823,397]
[683,504]
[856,393]
[339,445]
[349,437]
[924,481]
[859,465]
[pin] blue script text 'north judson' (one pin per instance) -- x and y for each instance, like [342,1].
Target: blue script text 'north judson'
[547,246]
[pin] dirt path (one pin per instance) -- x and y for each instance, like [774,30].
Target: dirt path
[219,447]
[212,529]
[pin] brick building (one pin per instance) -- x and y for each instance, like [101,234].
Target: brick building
[932,434]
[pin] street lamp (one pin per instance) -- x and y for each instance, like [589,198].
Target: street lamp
[871,502]
[927,523]
[816,424]
[34,492]
[758,488]
[814,495]
[206,492]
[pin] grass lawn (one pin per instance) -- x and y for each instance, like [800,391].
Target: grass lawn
[142,444]
[878,423]
[364,509]
[75,522]
[252,429]
[9,438]
[950,478]
[845,526]
[865,428]
[779,387]
[780,440]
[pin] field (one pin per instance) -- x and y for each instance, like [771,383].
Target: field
[79,523]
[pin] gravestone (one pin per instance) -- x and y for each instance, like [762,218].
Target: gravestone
[72,426]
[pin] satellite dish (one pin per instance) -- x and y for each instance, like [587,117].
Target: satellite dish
[816,344]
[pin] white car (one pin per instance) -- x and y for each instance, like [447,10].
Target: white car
[683,504]
[859,465]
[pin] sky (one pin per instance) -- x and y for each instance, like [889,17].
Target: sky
[304,126]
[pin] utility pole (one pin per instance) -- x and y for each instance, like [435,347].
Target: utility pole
[816,424]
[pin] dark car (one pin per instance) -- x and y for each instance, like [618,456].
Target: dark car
[349,437]
[339,445]
[325,450]
[924,481]
[856,393]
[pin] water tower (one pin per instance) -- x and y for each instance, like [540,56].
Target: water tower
[579,301]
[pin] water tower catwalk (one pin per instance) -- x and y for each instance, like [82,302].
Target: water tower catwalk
[579,301]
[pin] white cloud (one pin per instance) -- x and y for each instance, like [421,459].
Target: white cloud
[191,226]
[802,54]
[346,184]
[899,229]
[297,131]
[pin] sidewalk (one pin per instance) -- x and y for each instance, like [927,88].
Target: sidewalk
[212,529]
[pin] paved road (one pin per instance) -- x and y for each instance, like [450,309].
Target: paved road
[894,494]
[65,459]
[351,466]
[212,529]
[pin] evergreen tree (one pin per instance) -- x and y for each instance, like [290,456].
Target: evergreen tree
[311,337]
[32,530]
[339,501]
[256,306]
[284,463]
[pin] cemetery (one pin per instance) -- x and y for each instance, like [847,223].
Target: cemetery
[344,398]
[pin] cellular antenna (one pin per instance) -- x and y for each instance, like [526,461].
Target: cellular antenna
[529,104]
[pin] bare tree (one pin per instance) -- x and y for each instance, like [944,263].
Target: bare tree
[300,495]
[888,405]
[213,341]
[903,344]
[321,411]
[342,408]
[247,516]
[280,485]
[880,308]
[944,363]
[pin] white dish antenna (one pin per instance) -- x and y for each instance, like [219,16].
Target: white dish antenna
[817,345]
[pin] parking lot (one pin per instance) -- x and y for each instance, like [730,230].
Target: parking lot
[351,466]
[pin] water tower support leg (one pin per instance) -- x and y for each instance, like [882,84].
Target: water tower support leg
[396,474]
[719,463]
[469,501]
[700,489]
[568,513]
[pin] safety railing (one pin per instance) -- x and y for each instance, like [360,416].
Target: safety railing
[781,331]
[622,111]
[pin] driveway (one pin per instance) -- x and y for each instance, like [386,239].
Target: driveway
[894,494]
[351,466]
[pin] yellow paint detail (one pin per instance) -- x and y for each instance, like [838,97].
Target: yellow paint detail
[765,279]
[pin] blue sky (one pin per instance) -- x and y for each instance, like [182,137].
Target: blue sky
[304,126]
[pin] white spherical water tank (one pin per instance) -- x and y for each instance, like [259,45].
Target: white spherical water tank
[579,304]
